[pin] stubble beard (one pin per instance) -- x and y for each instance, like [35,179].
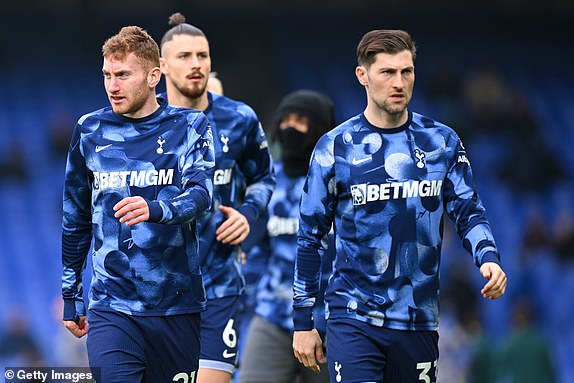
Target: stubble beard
[129,106]
[192,92]
[393,110]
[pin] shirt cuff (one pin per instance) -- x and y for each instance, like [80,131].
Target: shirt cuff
[70,310]
[155,211]
[303,318]
[490,256]
[250,213]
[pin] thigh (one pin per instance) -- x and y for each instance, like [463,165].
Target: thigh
[412,357]
[116,349]
[267,354]
[353,354]
[359,352]
[219,334]
[172,348]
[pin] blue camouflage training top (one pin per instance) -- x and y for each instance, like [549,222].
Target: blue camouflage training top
[243,179]
[151,268]
[385,191]
[278,246]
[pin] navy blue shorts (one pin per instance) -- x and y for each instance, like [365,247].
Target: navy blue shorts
[360,352]
[130,349]
[219,330]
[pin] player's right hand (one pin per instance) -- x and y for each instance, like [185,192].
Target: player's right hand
[78,329]
[308,349]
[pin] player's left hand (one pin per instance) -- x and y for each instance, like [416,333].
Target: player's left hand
[132,210]
[234,229]
[496,285]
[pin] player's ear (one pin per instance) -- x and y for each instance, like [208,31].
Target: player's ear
[361,73]
[162,65]
[153,77]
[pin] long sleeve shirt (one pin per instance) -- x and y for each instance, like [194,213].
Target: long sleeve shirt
[386,192]
[277,245]
[243,179]
[151,268]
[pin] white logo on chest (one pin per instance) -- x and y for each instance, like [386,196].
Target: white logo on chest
[224,140]
[100,148]
[420,158]
[160,141]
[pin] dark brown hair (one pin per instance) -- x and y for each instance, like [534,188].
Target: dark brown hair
[134,40]
[389,41]
[180,27]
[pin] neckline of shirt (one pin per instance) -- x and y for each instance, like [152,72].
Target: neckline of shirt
[387,130]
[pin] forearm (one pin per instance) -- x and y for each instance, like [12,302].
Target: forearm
[306,287]
[181,209]
[256,198]
[474,230]
[75,247]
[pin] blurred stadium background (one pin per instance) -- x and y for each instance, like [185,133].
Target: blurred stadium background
[499,72]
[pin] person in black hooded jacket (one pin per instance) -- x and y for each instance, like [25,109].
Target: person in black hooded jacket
[302,117]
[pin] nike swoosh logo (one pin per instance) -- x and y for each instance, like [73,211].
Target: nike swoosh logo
[100,148]
[227,354]
[356,161]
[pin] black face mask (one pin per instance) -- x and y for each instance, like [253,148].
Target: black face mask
[295,151]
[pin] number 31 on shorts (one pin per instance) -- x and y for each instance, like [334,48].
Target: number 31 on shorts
[424,368]
[185,378]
